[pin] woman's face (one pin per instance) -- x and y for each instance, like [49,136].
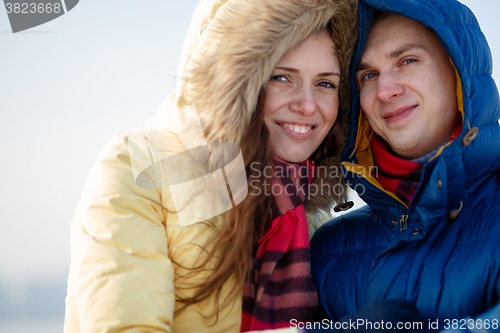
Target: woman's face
[302,98]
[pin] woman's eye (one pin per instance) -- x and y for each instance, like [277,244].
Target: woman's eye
[408,61]
[280,78]
[326,84]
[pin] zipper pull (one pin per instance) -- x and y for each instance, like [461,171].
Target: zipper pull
[404,223]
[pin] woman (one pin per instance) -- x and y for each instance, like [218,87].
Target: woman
[264,75]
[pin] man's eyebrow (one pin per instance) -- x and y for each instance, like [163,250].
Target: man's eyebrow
[405,48]
[362,66]
[394,54]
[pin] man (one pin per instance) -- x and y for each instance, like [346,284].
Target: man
[426,117]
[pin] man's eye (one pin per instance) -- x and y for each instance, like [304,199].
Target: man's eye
[368,76]
[280,78]
[408,61]
[326,84]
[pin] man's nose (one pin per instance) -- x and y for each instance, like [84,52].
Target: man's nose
[389,87]
[304,102]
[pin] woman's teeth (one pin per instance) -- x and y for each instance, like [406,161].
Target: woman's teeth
[298,128]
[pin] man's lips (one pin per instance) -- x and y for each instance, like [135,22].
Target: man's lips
[399,114]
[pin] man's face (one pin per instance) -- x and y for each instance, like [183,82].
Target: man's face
[408,87]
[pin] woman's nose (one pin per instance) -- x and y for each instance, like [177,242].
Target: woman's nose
[304,102]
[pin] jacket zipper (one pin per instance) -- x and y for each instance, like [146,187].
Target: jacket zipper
[404,223]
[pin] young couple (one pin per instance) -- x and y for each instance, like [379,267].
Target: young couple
[399,85]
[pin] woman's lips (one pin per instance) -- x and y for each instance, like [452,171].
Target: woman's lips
[297,131]
[399,114]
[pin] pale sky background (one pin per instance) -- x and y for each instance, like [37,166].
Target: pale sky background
[66,87]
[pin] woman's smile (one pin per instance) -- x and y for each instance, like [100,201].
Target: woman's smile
[297,131]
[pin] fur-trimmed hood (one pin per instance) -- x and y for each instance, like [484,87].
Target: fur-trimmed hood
[231,50]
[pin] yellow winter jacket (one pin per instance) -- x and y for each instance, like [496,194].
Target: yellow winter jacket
[128,249]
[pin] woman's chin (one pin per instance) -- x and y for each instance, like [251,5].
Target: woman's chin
[293,157]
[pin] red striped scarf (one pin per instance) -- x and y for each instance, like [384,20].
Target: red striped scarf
[396,175]
[280,287]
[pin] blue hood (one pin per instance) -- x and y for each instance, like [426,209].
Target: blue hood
[460,34]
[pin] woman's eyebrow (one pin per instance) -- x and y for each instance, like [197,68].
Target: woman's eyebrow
[294,70]
[289,69]
[329,74]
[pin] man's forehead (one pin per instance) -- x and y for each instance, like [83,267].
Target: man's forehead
[392,35]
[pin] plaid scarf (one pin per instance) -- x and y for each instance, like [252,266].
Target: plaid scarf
[399,176]
[280,287]
[396,175]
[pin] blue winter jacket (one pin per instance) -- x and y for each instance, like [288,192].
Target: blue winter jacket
[442,252]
